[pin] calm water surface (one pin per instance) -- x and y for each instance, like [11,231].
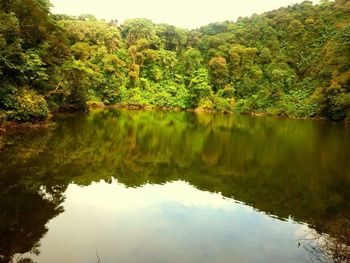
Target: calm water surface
[119,186]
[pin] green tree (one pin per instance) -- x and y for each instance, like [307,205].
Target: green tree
[218,73]
[199,86]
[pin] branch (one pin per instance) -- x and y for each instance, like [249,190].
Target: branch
[98,258]
[55,91]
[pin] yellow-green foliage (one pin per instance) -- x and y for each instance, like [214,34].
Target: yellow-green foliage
[216,103]
[293,61]
[30,107]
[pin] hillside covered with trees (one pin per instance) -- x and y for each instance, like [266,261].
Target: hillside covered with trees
[294,61]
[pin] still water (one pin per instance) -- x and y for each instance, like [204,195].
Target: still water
[124,186]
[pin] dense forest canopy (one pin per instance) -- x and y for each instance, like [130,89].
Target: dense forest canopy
[293,61]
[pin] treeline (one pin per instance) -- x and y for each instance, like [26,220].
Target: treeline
[292,61]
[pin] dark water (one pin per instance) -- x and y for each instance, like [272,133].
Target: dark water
[118,186]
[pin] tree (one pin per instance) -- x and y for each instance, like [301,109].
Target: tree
[76,80]
[290,61]
[218,73]
[192,61]
[199,86]
[135,29]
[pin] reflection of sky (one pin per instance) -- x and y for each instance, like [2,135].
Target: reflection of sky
[174,222]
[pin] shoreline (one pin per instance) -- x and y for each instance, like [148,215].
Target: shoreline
[6,125]
[198,110]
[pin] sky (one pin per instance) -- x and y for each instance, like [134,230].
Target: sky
[181,13]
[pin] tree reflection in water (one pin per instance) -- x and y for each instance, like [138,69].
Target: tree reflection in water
[285,168]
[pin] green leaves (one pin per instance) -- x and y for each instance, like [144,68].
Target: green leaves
[29,107]
[269,63]
[199,86]
[92,33]
[139,28]
[10,43]
[334,101]
[34,68]
[218,72]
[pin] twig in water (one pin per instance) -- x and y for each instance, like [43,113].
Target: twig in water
[98,258]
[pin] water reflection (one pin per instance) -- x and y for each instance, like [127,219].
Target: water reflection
[165,223]
[24,213]
[289,169]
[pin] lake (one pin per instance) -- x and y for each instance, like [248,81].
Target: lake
[134,186]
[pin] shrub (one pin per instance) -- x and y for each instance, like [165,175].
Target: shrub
[224,105]
[30,107]
[215,103]
[206,104]
[244,106]
[298,104]
[134,96]
[163,99]
[183,97]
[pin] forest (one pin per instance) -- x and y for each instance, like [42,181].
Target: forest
[294,61]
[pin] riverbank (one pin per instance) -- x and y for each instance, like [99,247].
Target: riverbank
[199,110]
[6,125]
[13,125]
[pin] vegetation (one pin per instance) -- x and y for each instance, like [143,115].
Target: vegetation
[292,61]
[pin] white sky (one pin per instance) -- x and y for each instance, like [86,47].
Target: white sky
[181,13]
